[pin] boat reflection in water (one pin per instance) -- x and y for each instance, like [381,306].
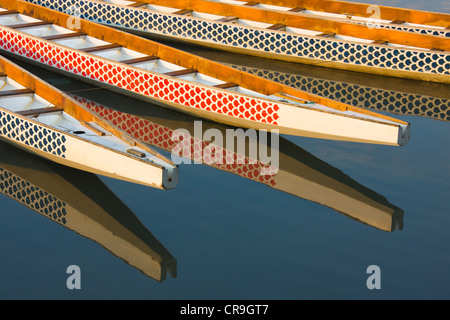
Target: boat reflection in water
[398,96]
[298,172]
[81,202]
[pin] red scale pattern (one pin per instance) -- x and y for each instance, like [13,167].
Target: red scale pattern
[138,80]
[201,151]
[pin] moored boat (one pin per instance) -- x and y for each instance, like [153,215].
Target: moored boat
[169,77]
[259,30]
[267,159]
[43,120]
[371,15]
[82,203]
[377,93]
[377,96]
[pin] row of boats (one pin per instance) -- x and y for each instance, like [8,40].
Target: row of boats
[52,124]
[116,46]
[286,30]
[82,203]
[91,48]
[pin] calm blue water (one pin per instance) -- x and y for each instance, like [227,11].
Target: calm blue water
[234,238]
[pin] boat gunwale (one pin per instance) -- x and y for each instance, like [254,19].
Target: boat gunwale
[287,32]
[389,71]
[288,156]
[272,3]
[392,72]
[338,112]
[148,47]
[293,15]
[51,128]
[308,4]
[69,104]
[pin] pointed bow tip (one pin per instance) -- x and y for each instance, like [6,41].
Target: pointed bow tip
[404,134]
[170,178]
[397,220]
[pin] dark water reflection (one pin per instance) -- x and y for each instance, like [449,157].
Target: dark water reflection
[308,232]
[82,203]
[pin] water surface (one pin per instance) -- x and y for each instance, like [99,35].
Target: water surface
[228,236]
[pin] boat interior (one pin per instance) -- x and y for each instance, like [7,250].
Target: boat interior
[24,101]
[176,8]
[115,52]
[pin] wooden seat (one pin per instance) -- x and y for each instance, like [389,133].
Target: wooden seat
[38,111]
[380,42]
[29,25]
[327,35]
[137,153]
[6,12]
[102,47]
[64,36]
[178,73]
[227,19]
[287,98]
[137,60]
[182,11]
[296,9]
[278,26]
[226,85]
[92,127]
[15,92]
[137,4]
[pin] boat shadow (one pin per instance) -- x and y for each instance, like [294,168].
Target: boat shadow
[82,203]
[372,92]
[294,171]
[297,172]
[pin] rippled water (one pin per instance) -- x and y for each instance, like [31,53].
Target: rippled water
[334,209]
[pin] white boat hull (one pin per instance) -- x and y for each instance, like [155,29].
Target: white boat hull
[264,105]
[72,151]
[288,119]
[362,56]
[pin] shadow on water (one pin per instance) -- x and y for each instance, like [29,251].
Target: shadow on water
[271,160]
[378,93]
[294,171]
[81,202]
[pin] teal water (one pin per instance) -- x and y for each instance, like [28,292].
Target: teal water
[235,238]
